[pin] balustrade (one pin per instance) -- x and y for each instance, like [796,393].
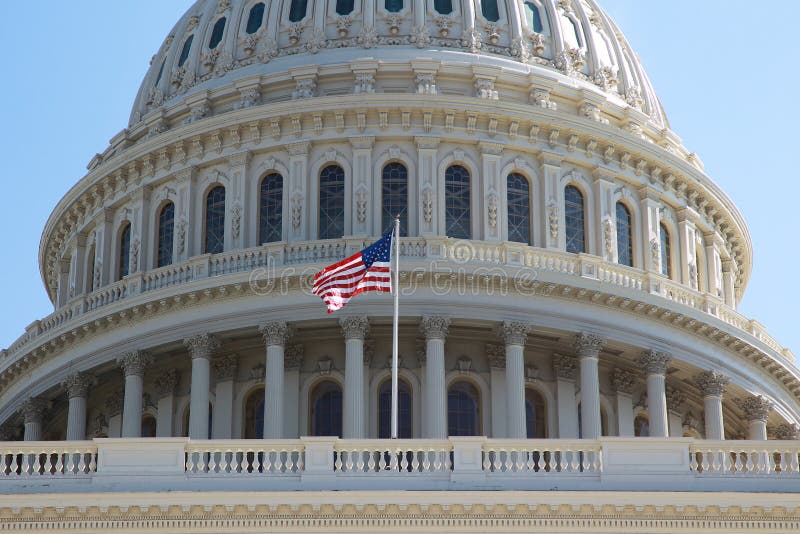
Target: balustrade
[38,459]
[733,458]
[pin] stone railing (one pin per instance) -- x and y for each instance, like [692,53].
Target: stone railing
[652,464]
[274,257]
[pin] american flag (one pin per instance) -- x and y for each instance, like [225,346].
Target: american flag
[367,270]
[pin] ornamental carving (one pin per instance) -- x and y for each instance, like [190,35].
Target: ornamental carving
[77,385]
[364,83]
[134,261]
[755,408]
[226,367]
[202,345]
[275,333]
[496,354]
[267,49]
[236,221]
[655,251]
[297,211]
[786,431]
[521,49]
[304,88]
[293,357]
[181,235]
[249,44]
[492,210]
[541,98]
[552,219]
[711,383]
[420,36]
[492,32]
[675,398]
[114,403]
[571,60]
[608,238]
[393,21]
[249,99]
[472,41]
[514,333]
[633,96]
[606,78]
[622,381]
[565,367]
[443,22]
[592,112]
[354,326]
[368,37]
[361,207]
[434,326]
[588,344]
[427,206]
[537,41]
[426,83]
[343,24]
[166,383]
[484,88]
[33,409]
[654,362]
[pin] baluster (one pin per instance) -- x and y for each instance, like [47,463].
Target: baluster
[426,461]
[415,460]
[46,466]
[575,461]
[404,460]
[211,459]
[359,460]
[395,459]
[81,462]
[487,460]
[59,467]
[337,465]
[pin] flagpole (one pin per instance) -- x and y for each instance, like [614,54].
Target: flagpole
[395,327]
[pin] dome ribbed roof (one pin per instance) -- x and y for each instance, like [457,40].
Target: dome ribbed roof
[219,41]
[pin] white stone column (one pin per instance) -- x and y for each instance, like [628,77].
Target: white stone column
[165,389]
[32,412]
[293,362]
[687,244]
[655,364]
[355,329]
[675,399]
[435,327]
[728,283]
[276,335]
[565,370]
[712,385]
[587,347]
[225,369]
[496,355]
[133,364]
[623,386]
[651,230]
[605,224]
[756,409]
[77,386]
[514,335]
[201,347]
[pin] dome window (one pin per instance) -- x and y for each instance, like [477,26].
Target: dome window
[215,221]
[166,233]
[574,218]
[393,6]
[216,33]
[666,251]
[518,193]
[271,212]
[490,10]
[124,256]
[160,72]
[297,10]
[443,7]
[187,45]
[534,18]
[255,18]
[457,199]
[624,235]
[331,202]
[394,197]
[344,7]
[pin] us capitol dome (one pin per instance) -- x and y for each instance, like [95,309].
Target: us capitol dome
[571,356]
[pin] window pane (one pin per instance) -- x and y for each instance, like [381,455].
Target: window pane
[535,414]
[534,19]
[457,202]
[462,410]
[443,7]
[326,409]
[254,415]
[160,72]
[187,45]
[403,410]
[393,6]
[124,252]
[574,220]
[624,239]
[216,33]
[394,197]
[166,231]
[271,209]
[344,7]
[666,252]
[215,221]
[519,208]
[297,11]
[255,19]
[331,202]
[489,10]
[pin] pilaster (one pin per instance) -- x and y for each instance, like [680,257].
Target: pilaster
[427,156]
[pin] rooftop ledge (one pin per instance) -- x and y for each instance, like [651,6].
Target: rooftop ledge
[466,463]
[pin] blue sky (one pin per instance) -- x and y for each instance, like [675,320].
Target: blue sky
[724,70]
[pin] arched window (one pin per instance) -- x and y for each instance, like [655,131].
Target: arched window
[463,409]
[393,6]
[166,233]
[534,18]
[574,219]
[535,414]
[254,415]
[124,255]
[641,426]
[403,409]
[443,7]
[344,7]
[326,409]
[666,251]
[458,220]
[331,202]
[490,11]
[271,209]
[215,221]
[297,10]
[187,45]
[624,237]
[216,33]
[255,18]
[518,194]
[394,196]
[160,72]
[148,426]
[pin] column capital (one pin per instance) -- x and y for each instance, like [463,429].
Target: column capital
[77,385]
[655,362]
[588,344]
[354,326]
[294,356]
[623,381]
[785,431]
[226,366]
[202,345]
[513,333]
[434,326]
[755,407]
[275,333]
[114,403]
[675,398]
[496,355]
[134,362]
[166,383]
[33,409]
[711,383]
[564,366]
